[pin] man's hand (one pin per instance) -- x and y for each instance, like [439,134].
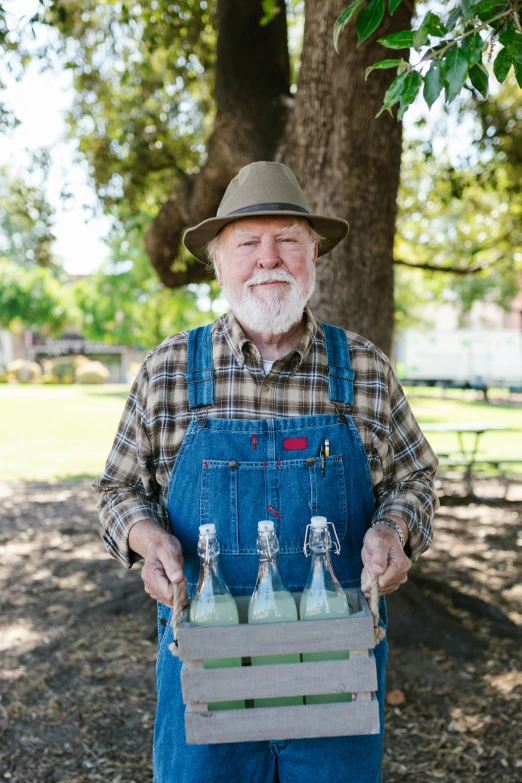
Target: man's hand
[383,555]
[163,560]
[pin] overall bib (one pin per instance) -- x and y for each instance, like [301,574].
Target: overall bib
[233,473]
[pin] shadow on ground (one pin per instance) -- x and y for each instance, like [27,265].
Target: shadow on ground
[78,648]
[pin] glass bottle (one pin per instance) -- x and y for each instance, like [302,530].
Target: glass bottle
[271,602]
[323,597]
[213,603]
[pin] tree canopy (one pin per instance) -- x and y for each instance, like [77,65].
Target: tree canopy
[159,123]
[450,47]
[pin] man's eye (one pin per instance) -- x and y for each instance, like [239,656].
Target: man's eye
[287,239]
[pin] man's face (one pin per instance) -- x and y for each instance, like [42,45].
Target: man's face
[266,267]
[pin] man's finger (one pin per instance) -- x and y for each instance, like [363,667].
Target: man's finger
[379,560]
[391,574]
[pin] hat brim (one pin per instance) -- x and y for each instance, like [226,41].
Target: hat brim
[197,238]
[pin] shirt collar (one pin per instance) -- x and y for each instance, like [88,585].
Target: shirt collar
[237,340]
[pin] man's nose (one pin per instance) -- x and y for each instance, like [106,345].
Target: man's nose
[269,256]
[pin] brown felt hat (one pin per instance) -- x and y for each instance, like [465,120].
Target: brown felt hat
[263,188]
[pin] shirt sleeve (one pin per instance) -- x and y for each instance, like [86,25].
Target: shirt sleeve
[128,489]
[407,489]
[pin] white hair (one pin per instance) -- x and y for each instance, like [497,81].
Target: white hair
[213,248]
[271,313]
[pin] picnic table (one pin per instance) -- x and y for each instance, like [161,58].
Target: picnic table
[467,454]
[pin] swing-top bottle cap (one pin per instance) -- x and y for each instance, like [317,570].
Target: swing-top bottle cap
[318,523]
[207,530]
[265,526]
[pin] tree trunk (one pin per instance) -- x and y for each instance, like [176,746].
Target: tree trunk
[252,100]
[348,164]
[347,161]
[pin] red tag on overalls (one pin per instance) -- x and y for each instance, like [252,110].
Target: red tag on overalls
[295,444]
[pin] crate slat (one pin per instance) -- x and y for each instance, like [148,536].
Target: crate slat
[355,632]
[281,679]
[317,720]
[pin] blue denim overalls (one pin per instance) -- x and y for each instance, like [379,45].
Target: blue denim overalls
[234,472]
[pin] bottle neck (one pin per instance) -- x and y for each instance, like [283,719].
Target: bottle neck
[268,576]
[211,579]
[322,576]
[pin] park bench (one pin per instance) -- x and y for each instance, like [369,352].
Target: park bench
[469,459]
[472,471]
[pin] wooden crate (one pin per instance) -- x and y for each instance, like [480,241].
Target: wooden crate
[357,675]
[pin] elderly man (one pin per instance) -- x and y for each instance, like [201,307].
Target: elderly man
[224,424]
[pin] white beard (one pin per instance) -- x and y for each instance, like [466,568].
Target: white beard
[275,313]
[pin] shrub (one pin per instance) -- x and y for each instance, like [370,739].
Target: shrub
[63,368]
[92,372]
[24,371]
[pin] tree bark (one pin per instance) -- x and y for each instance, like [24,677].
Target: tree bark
[252,99]
[348,164]
[347,161]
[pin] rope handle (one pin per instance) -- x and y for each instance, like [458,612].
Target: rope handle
[179,603]
[378,632]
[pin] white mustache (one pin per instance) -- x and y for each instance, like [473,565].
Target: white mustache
[271,277]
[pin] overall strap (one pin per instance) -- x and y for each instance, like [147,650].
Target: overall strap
[200,374]
[340,373]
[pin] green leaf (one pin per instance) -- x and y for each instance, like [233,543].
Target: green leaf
[433,83]
[492,7]
[473,45]
[453,17]
[271,9]
[401,40]
[512,40]
[420,39]
[434,25]
[369,20]
[393,5]
[392,95]
[479,78]
[518,73]
[467,9]
[383,64]
[455,71]
[409,92]
[347,16]
[502,65]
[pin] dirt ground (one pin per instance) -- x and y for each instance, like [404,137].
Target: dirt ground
[78,647]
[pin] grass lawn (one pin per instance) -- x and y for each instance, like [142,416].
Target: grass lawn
[433,406]
[55,432]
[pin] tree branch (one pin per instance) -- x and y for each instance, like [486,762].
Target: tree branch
[252,91]
[470,270]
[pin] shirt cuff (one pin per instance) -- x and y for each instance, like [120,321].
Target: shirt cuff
[118,519]
[419,528]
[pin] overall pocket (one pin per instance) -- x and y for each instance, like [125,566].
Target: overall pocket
[235,496]
[305,492]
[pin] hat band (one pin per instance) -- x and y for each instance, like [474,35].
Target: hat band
[275,206]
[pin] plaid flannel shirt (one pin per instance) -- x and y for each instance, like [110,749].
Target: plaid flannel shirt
[134,485]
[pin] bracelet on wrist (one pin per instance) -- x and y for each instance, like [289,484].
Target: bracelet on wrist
[391,523]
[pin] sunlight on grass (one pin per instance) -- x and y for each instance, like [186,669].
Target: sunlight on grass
[55,432]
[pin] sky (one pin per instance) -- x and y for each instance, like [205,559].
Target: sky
[40,101]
